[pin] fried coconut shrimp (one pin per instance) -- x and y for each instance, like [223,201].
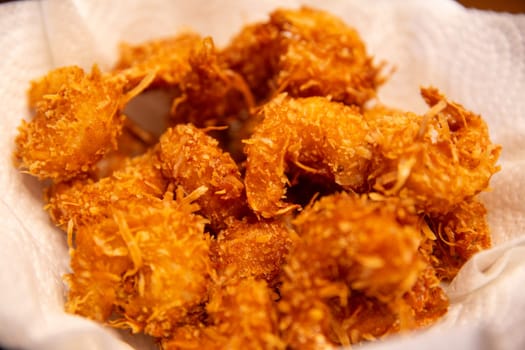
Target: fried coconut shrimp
[146,265]
[458,235]
[437,160]
[191,159]
[254,53]
[167,58]
[305,52]
[83,201]
[75,109]
[210,94]
[346,277]
[247,249]
[82,111]
[315,136]
[242,315]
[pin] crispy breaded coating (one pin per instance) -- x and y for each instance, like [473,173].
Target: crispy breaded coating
[75,109]
[254,53]
[426,299]
[437,160]
[85,200]
[191,159]
[459,234]
[323,57]
[316,136]
[148,263]
[252,249]
[242,316]
[305,52]
[210,94]
[347,244]
[167,58]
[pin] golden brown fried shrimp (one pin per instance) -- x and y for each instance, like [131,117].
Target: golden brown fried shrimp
[323,57]
[210,93]
[242,316]
[254,53]
[305,52]
[191,159]
[147,263]
[459,234]
[85,200]
[247,249]
[347,244]
[316,136]
[167,58]
[437,160]
[74,109]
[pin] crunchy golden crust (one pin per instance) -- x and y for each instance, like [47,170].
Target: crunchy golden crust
[86,200]
[242,316]
[437,160]
[254,53]
[348,244]
[210,94]
[252,249]
[459,234]
[317,136]
[191,159]
[74,109]
[305,52]
[148,263]
[167,58]
[323,57]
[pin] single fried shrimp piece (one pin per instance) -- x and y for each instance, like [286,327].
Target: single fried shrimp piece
[323,57]
[316,136]
[76,122]
[254,53]
[437,160]
[166,58]
[305,52]
[147,263]
[242,315]
[191,159]
[252,249]
[459,234]
[210,94]
[82,201]
[348,244]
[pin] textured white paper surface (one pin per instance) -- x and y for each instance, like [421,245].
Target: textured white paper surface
[474,57]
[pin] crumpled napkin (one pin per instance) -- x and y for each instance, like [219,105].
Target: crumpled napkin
[474,57]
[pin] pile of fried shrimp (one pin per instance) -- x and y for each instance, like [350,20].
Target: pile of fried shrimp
[283,207]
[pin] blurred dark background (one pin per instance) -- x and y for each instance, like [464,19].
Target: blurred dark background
[513,6]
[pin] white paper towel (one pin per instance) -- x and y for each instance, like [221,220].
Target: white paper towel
[474,57]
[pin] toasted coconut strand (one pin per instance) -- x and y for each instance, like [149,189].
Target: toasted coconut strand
[131,243]
[140,87]
[434,111]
